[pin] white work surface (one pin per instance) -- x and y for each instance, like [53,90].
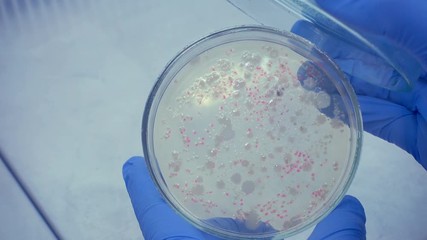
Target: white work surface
[74,79]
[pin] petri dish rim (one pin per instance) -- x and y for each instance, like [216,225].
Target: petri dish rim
[261,33]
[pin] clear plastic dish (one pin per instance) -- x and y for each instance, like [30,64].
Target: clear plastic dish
[252,133]
[355,51]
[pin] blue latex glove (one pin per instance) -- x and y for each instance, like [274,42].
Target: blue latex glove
[158,221]
[398,117]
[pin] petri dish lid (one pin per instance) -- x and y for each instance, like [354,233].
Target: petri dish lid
[252,133]
[381,62]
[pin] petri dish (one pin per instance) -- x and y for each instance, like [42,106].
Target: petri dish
[252,133]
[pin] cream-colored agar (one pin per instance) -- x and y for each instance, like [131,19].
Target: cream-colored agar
[237,134]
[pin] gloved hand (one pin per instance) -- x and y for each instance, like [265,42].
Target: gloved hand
[398,117]
[158,221]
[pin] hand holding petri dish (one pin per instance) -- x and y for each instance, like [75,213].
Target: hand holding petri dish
[253,125]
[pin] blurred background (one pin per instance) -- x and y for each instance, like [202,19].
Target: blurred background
[74,78]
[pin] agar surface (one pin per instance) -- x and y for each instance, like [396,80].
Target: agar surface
[238,134]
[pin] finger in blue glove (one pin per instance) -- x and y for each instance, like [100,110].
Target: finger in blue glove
[347,222]
[158,221]
[156,218]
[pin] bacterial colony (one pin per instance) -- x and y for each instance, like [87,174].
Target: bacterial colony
[240,133]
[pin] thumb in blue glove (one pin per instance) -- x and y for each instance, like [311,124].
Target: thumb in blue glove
[158,221]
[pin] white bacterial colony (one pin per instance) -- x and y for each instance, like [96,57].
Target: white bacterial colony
[238,135]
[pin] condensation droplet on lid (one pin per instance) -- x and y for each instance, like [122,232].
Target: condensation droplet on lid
[292,222]
[322,100]
[212,77]
[228,133]
[213,152]
[252,220]
[287,158]
[218,140]
[335,166]
[298,112]
[249,133]
[306,167]
[202,83]
[245,163]
[251,57]
[175,154]
[239,84]
[269,93]
[236,93]
[249,66]
[247,75]
[293,191]
[274,53]
[249,104]
[220,184]
[302,129]
[226,147]
[270,135]
[224,120]
[309,83]
[320,119]
[224,64]
[210,165]
[336,123]
[236,178]
[199,179]
[247,146]
[195,60]
[198,190]
[248,187]
[175,166]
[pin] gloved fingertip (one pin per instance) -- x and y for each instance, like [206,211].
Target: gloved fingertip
[346,221]
[305,29]
[129,165]
[348,199]
[350,202]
